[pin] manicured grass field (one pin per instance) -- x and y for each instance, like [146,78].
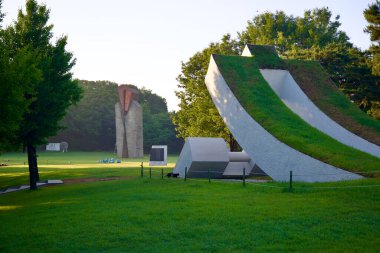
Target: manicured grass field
[75,157]
[171,215]
[57,165]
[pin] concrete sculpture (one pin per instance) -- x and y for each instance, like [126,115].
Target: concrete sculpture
[201,156]
[274,157]
[286,88]
[129,124]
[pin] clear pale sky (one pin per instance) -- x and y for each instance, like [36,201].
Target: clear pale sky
[143,42]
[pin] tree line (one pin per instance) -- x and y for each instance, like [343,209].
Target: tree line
[314,36]
[90,125]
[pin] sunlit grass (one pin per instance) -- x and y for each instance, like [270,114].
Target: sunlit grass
[18,174]
[171,215]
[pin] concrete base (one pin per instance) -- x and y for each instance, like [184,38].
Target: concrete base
[201,156]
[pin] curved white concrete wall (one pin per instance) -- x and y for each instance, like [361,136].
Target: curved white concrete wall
[291,94]
[274,157]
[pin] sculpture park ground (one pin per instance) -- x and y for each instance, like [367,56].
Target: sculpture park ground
[172,215]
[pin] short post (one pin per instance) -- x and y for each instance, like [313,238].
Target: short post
[162,173]
[142,170]
[243,176]
[185,173]
[150,172]
[209,176]
[291,181]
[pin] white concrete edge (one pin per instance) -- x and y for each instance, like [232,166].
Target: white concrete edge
[287,89]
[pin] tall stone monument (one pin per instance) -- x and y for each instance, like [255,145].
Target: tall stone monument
[129,123]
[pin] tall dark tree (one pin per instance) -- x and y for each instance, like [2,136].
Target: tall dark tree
[55,92]
[372,15]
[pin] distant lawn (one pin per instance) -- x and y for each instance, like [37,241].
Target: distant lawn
[73,157]
[58,165]
[170,215]
[259,100]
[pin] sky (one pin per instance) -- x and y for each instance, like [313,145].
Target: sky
[144,42]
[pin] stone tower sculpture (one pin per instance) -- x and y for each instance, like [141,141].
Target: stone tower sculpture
[129,123]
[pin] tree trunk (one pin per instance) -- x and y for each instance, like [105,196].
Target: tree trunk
[32,169]
[35,163]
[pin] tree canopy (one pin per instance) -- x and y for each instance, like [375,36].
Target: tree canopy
[197,115]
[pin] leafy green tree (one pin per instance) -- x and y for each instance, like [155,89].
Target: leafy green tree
[314,29]
[372,15]
[50,97]
[158,127]
[90,124]
[197,115]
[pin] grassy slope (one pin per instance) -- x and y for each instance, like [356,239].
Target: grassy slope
[243,76]
[315,82]
[143,215]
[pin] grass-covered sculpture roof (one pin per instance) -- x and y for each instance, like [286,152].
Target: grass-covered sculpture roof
[260,101]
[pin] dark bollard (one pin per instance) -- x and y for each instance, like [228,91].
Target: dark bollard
[162,173]
[243,176]
[291,181]
[150,172]
[185,173]
[209,176]
[142,170]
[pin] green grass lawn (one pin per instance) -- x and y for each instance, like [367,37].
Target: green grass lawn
[171,215]
[58,165]
[259,100]
[75,157]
